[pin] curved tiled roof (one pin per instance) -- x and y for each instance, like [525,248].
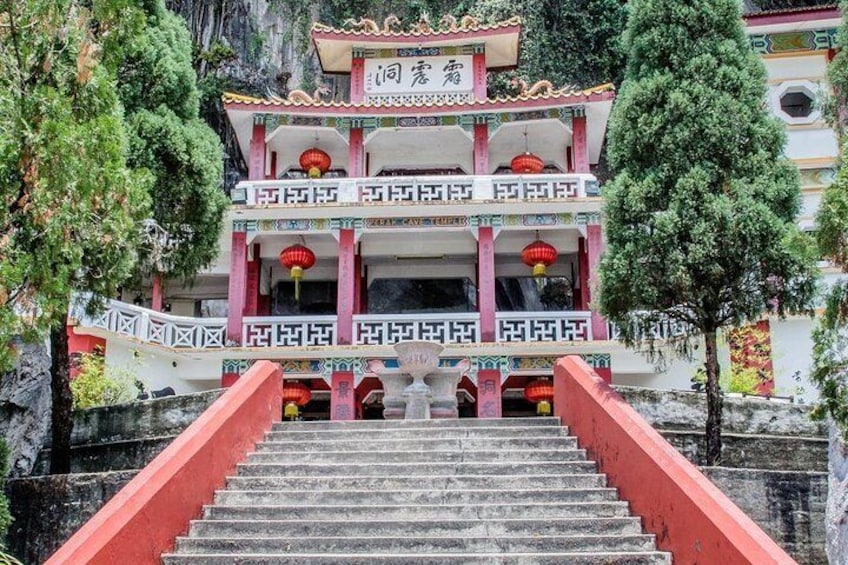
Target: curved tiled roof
[432,33]
[561,94]
[753,11]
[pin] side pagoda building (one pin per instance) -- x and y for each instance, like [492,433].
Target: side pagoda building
[420,209]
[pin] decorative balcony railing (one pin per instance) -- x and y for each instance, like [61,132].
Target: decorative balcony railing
[300,331]
[145,325]
[394,328]
[663,329]
[544,326]
[415,189]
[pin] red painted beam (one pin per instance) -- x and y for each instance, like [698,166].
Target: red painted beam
[690,516]
[140,523]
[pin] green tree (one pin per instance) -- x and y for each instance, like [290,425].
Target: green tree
[158,88]
[830,337]
[70,203]
[700,216]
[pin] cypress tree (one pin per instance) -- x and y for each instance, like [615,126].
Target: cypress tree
[700,218]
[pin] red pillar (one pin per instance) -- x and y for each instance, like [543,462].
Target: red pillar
[478,64]
[357,284]
[256,162]
[594,248]
[580,142]
[581,297]
[605,373]
[158,298]
[342,396]
[346,287]
[272,174]
[228,379]
[481,149]
[236,292]
[486,284]
[489,394]
[251,300]
[356,154]
[357,79]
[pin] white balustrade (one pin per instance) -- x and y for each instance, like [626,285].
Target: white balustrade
[289,331]
[178,332]
[667,328]
[544,326]
[454,188]
[390,329]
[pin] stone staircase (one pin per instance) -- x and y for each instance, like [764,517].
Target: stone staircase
[511,491]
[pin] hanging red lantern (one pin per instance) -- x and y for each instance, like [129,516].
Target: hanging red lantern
[527,164]
[540,256]
[541,393]
[297,258]
[295,396]
[315,162]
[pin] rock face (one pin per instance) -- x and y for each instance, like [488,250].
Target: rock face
[25,407]
[836,513]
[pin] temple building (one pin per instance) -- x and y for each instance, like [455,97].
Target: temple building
[421,209]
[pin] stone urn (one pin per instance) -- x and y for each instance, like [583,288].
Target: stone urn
[418,359]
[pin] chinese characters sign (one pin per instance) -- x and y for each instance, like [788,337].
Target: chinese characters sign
[414,75]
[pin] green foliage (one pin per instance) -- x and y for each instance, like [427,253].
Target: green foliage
[700,218]
[169,142]
[735,380]
[830,358]
[97,385]
[5,516]
[70,202]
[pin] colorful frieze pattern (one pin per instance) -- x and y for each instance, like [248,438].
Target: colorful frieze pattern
[355,365]
[793,41]
[551,220]
[524,364]
[236,366]
[818,177]
[362,53]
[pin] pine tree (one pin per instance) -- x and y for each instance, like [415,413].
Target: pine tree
[700,216]
[70,203]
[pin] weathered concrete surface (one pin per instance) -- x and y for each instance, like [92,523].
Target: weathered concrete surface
[685,410]
[788,505]
[836,515]
[49,509]
[25,407]
[108,456]
[755,451]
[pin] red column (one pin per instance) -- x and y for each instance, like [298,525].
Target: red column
[481,149]
[478,63]
[236,292]
[486,284]
[580,142]
[594,248]
[356,154]
[346,287]
[581,298]
[256,162]
[357,79]
[342,395]
[158,298]
[251,301]
[489,393]
[357,284]
[228,379]
[272,174]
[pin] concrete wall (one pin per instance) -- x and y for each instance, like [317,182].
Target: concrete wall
[159,370]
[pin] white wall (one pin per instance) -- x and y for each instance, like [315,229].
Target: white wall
[157,370]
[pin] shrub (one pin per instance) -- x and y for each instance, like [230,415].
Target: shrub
[98,385]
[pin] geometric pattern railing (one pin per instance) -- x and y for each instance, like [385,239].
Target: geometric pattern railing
[453,188]
[543,326]
[145,325]
[660,330]
[391,329]
[289,331]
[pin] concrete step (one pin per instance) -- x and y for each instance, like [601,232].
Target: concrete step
[410,469]
[347,545]
[415,424]
[419,433]
[433,482]
[599,558]
[419,511]
[422,444]
[413,528]
[108,455]
[472,496]
[779,453]
[435,456]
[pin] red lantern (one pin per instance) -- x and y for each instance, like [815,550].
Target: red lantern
[541,393]
[539,255]
[527,163]
[295,396]
[297,258]
[315,162]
